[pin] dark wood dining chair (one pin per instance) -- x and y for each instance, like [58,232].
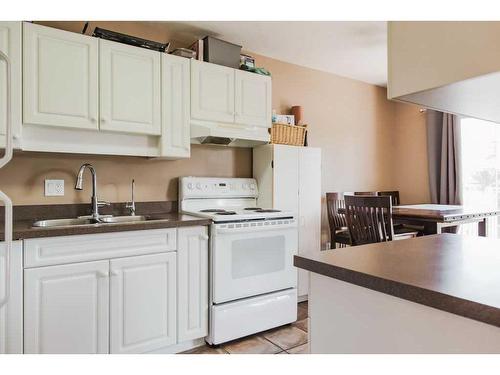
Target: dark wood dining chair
[369,220]
[393,194]
[339,234]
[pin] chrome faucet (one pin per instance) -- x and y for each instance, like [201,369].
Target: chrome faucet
[94,201]
[131,205]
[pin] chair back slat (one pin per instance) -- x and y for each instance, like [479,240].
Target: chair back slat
[366,193]
[334,201]
[369,219]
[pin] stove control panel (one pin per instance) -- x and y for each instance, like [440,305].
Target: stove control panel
[208,187]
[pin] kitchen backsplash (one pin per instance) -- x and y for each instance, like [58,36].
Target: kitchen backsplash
[156,180]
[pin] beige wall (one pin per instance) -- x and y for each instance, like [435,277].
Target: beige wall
[409,154]
[367,142]
[429,54]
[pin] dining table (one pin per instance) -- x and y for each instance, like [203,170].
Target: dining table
[435,217]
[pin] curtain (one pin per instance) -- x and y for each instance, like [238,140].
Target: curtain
[443,149]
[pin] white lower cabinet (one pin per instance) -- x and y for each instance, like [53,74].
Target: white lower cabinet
[192,295]
[66,308]
[11,313]
[143,303]
[126,301]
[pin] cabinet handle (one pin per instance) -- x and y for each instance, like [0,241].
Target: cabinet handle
[93,120]
[115,273]
[102,274]
[204,237]
[103,120]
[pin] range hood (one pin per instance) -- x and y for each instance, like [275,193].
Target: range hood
[452,67]
[234,135]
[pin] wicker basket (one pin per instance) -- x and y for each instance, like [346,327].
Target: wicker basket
[285,134]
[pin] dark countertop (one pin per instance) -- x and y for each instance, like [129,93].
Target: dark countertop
[23,229]
[457,274]
[160,215]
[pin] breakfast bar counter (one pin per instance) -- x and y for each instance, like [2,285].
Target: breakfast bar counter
[432,294]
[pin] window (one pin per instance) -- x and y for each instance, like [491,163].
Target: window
[481,168]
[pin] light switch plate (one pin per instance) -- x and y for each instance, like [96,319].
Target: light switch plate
[54,188]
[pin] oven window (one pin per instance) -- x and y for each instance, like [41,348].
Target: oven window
[257,256]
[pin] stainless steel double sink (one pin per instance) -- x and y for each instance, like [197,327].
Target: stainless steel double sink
[86,221]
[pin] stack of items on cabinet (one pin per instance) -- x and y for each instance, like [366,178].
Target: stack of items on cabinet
[289,129]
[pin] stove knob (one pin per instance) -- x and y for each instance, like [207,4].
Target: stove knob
[245,186]
[252,186]
[198,186]
[190,186]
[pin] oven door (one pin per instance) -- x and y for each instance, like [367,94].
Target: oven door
[252,258]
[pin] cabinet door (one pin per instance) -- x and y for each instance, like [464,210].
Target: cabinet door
[66,308]
[286,178]
[175,75]
[10,44]
[11,314]
[252,99]
[60,78]
[129,88]
[143,303]
[212,92]
[309,209]
[192,266]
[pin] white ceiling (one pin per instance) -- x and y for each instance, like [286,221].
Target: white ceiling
[355,50]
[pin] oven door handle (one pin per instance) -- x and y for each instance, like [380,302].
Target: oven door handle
[266,228]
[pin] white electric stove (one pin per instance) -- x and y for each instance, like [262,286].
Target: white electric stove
[253,283]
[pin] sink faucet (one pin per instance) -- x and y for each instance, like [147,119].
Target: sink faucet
[131,205]
[94,201]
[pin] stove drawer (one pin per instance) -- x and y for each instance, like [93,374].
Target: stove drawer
[259,314]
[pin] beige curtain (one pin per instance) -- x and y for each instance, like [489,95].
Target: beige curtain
[443,149]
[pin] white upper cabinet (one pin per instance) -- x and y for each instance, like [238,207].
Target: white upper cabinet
[175,96]
[60,78]
[143,303]
[66,309]
[129,88]
[10,44]
[192,275]
[252,99]
[212,92]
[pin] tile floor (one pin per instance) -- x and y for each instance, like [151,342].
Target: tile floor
[289,339]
